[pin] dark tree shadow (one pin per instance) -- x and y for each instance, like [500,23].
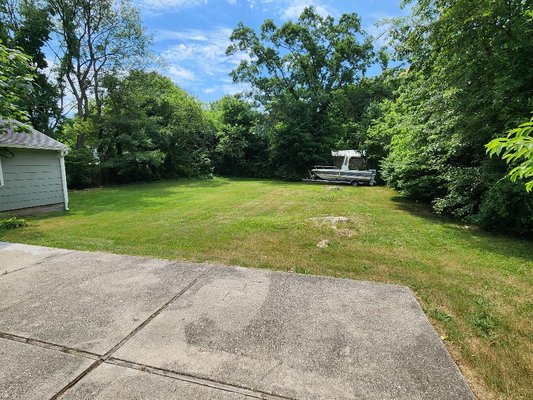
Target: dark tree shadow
[502,243]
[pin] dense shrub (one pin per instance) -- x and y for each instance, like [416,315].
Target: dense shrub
[83,169]
[506,207]
[469,80]
[241,143]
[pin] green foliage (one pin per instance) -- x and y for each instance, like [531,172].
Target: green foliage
[485,322]
[440,315]
[27,25]
[469,76]
[83,169]
[16,76]
[464,191]
[505,207]
[413,129]
[241,145]
[517,150]
[295,70]
[83,166]
[95,38]
[299,141]
[152,129]
[354,110]
[12,223]
[148,129]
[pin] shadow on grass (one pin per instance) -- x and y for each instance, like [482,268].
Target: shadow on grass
[135,197]
[129,197]
[419,209]
[500,243]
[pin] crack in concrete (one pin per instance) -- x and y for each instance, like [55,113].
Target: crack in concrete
[53,256]
[269,371]
[108,354]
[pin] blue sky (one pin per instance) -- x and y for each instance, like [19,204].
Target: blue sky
[192,35]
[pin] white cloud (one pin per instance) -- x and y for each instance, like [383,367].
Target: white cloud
[208,56]
[379,33]
[197,60]
[285,9]
[235,88]
[180,74]
[291,9]
[228,88]
[188,34]
[165,5]
[296,7]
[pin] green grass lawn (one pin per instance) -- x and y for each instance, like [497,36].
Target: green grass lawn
[476,288]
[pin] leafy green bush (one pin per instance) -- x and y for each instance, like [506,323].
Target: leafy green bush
[12,223]
[506,207]
[83,169]
[517,150]
[465,187]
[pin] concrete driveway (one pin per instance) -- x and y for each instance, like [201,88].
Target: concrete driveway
[79,325]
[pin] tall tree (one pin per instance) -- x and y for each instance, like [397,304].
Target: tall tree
[26,24]
[16,77]
[152,129]
[241,146]
[294,70]
[95,38]
[469,80]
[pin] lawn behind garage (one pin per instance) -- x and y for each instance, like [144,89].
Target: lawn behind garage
[476,288]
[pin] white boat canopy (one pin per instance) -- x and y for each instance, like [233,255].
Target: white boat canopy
[347,154]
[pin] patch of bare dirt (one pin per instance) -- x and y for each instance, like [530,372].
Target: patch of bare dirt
[333,222]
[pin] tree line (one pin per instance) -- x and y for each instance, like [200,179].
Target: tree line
[455,76]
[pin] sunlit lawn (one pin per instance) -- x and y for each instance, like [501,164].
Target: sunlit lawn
[476,288]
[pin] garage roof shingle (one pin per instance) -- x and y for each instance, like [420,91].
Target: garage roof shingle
[29,139]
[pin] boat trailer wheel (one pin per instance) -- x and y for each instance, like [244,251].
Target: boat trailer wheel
[354,183]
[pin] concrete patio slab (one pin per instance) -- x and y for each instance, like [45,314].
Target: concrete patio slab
[301,337]
[167,330]
[33,373]
[18,256]
[109,382]
[88,301]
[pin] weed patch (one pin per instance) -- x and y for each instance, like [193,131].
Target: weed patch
[484,320]
[12,223]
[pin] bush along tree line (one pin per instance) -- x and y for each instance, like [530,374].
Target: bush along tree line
[461,78]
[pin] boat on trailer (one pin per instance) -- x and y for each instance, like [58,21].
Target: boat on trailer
[333,174]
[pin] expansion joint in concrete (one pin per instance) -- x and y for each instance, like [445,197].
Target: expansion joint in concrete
[107,355]
[53,256]
[49,346]
[155,314]
[210,383]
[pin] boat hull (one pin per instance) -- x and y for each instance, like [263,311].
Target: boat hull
[330,174]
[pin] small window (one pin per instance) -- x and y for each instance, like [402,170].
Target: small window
[1,174]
